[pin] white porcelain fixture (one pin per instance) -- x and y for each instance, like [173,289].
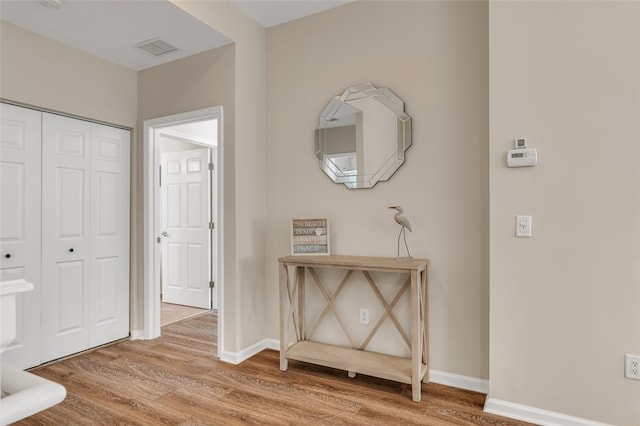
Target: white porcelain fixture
[8,293]
[28,394]
[23,393]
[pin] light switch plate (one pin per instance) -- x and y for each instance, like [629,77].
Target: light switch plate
[523,226]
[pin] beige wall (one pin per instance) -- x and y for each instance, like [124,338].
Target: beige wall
[200,81]
[43,73]
[433,55]
[565,304]
[171,144]
[245,217]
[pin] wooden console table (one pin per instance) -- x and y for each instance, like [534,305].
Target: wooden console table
[357,359]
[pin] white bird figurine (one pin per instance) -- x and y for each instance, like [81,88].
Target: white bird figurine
[404,223]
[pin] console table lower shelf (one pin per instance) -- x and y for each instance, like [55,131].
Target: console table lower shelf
[355,361]
[355,358]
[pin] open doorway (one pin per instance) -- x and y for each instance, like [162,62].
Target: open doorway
[187,160]
[183,208]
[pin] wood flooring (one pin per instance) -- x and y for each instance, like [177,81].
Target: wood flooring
[170,313]
[176,380]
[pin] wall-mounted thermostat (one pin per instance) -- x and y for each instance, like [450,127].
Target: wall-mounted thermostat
[522,157]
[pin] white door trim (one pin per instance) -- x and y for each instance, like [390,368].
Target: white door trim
[151,313]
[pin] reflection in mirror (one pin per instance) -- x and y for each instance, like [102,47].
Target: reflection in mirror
[362,136]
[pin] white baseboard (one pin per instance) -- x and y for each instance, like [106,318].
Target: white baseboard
[534,415]
[459,381]
[238,357]
[137,335]
[272,344]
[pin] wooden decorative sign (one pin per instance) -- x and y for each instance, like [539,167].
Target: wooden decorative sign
[310,237]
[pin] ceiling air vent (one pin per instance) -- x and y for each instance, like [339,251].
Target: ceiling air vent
[156,47]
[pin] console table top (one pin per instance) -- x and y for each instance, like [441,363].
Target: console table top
[358,262]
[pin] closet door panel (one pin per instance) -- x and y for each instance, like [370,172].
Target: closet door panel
[66,235]
[20,135]
[109,234]
[70,199]
[69,295]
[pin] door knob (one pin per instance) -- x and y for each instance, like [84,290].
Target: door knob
[164,234]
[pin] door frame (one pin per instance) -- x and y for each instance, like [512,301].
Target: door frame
[151,194]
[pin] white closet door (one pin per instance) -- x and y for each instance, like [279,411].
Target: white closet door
[109,306]
[20,134]
[66,257]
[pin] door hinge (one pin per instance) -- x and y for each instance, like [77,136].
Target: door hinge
[160,175]
[212,284]
[211,166]
[211,225]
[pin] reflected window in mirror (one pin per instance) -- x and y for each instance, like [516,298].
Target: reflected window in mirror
[362,136]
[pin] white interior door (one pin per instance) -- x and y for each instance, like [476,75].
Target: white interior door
[66,257]
[185,228]
[20,135]
[109,291]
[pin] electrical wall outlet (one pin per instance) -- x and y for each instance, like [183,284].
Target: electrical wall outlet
[364,316]
[632,366]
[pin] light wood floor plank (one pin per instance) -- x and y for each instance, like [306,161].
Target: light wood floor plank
[177,380]
[170,313]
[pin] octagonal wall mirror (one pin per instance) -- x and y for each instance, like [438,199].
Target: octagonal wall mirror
[362,136]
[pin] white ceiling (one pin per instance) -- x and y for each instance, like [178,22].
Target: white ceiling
[111,29]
